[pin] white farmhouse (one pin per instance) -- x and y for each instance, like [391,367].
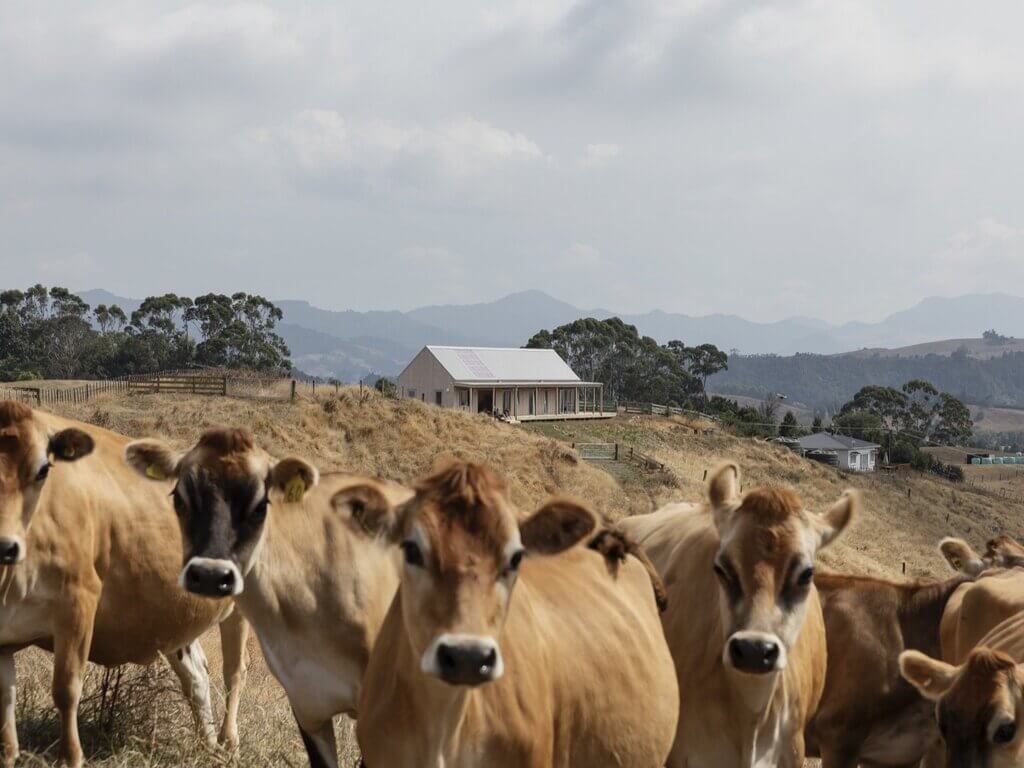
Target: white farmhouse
[849,452]
[519,384]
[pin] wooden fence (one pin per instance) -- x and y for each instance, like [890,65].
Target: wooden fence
[617,452]
[654,409]
[190,385]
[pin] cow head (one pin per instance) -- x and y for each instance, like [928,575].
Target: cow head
[765,567]
[222,490]
[1000,552]
[463,550]
[28,450]
[979,706]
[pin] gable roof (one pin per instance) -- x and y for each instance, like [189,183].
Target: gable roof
[823,441]
[487,364]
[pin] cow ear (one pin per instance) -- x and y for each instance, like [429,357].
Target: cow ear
[723,485]
[70,444]
[831,524]
[961,557]
[931,677]
[369,509]
[293,477]
[558,525]
[152,458]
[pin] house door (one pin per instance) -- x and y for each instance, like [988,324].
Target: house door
[484,401]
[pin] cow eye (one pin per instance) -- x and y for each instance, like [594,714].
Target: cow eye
[513,563]
[722,574]
[1005,733]
[43,472]
[260,510]
[805,578]
[413,554]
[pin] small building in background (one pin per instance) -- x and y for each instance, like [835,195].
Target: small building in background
[840,451]
[516,384]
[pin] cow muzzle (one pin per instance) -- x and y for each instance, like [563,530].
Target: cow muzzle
[211,578]
[755,653]
[463,660]
[12,550]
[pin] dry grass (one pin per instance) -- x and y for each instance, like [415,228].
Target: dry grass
[149,724]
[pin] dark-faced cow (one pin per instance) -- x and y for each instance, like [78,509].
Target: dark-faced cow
[281,539]
[89,562]
[744,621]
[979,704]
[507,645]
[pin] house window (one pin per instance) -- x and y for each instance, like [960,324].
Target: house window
[546,402]
[532,407]
[463,398]
[438,397]
[411,392]
[506,401]
[854,460]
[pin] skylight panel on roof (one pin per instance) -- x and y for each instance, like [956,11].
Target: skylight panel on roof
[472,361]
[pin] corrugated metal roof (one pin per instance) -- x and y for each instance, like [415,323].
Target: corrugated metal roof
[823,441]
[472,364]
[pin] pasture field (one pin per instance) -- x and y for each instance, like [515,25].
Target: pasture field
[144,721]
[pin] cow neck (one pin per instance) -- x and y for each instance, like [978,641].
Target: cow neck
[920,614]
[445,707]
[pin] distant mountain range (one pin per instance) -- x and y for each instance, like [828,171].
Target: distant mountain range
[349,344]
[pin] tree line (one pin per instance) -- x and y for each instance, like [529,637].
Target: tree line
[825,382]
[53,333]
[631,366]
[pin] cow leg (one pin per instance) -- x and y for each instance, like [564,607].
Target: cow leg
[8,696]
[71,644]
[189,664]
[320,744]
[234,636]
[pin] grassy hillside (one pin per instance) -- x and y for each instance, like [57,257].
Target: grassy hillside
[980,349]
[903,519]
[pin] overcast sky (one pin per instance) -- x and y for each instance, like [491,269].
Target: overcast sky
[839,159]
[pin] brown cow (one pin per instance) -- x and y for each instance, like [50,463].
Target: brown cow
[280,538]
[508,646]
[743,622]
[868,713]
[1000,552]
[90,557]
[979,705]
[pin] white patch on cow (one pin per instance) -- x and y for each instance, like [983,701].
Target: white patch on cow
[317,687]
[209,562]
[429,664]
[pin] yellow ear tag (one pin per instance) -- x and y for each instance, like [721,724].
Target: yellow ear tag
[155,473]
[294,489]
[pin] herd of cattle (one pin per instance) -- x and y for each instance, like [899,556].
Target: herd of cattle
[461,633]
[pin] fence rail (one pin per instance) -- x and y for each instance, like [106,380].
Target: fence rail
[617,452]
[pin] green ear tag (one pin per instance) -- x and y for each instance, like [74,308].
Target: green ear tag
[294,489]
[155,473]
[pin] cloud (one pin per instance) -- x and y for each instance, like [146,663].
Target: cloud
[985,255]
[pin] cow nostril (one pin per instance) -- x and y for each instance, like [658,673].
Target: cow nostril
[771,653]
[735,652]
[446,659]
[488,662]
[9,551]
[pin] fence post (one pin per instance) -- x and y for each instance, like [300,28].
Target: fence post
[616,451]
[224,386]
[293,391]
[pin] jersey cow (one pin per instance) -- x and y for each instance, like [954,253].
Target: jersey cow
[1000,552]
[281,539]
[744,622]
[979,705]
[507,645]
[89,558]
[868,714]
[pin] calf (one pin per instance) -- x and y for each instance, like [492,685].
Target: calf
[281,540]
[868,713]
[744,622]
[89,557]
[979,705]
[508,646]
